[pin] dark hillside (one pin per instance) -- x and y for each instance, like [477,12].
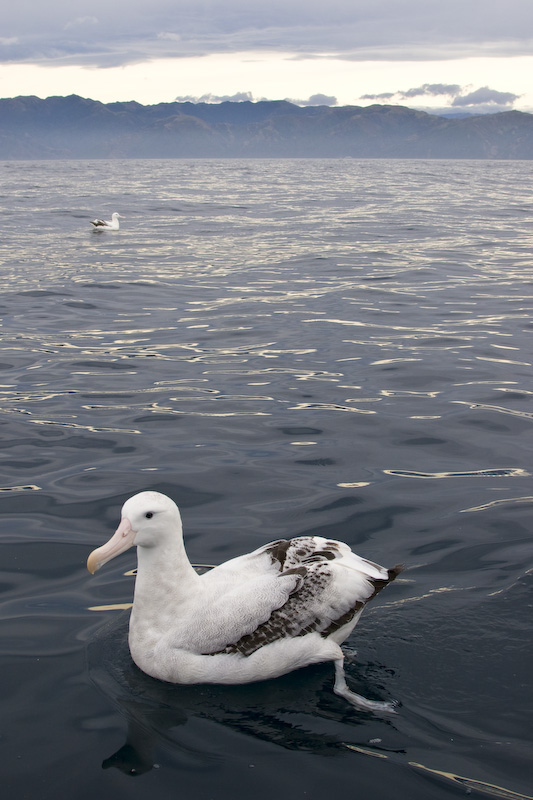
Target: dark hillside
[74,127]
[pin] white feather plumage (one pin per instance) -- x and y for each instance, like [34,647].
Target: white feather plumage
[286,605]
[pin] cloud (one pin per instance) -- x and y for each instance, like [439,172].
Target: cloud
[485,96]
[434,90]
[239,97]
[426,90]
[479,101]
[381,96]
[242,97]
[80,22]
[49,33]
[316,100]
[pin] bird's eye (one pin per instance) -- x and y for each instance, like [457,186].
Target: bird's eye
[149,515]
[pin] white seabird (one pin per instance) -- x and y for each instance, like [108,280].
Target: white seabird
[106,224]
[288,604]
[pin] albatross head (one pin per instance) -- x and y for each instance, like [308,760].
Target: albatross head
[147,519]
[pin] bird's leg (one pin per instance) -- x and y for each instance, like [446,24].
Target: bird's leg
[341,688]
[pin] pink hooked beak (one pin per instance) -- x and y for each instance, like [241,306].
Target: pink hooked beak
[121,540]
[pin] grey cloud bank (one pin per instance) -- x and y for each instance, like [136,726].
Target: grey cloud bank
[483,96]
[483,100]
[107,35]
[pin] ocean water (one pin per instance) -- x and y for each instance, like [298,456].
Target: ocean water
[335,347]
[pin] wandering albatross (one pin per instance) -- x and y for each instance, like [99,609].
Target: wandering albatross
[286,605]
[108,224]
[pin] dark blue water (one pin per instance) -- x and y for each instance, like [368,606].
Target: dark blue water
[284,347]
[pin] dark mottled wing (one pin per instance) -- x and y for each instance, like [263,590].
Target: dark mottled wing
[296,618]
[329,596]
[309,609]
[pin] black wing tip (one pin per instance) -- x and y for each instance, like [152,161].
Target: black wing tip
[395,571]
[380,583]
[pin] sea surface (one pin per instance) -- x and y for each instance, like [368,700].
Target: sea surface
[333,347]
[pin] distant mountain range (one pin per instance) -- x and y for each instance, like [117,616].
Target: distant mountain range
[74,127]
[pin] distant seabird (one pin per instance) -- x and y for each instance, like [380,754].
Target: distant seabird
[106,224]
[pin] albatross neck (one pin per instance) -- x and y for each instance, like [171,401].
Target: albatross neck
[164,573]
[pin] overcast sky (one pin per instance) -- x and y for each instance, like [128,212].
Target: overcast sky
[473,55]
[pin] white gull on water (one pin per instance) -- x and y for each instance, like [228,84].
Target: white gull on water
[286,605]
[112,224]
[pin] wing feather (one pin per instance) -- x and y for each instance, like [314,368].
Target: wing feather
[333,587]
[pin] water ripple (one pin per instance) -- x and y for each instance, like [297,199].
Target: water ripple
[477,473]
[286,348]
